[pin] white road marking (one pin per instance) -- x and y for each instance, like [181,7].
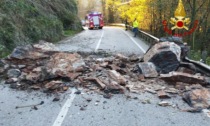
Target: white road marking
[61,116]
[144,51]
[99,42]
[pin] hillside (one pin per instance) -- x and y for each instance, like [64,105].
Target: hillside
[28,21]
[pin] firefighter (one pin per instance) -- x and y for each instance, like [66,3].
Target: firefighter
[135,27]
[126,24]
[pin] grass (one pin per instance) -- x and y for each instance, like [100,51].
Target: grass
[68,33]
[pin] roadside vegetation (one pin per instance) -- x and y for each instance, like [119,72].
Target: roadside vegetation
[28,21]
[151,14]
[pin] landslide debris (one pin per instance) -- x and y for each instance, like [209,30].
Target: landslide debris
[159,72]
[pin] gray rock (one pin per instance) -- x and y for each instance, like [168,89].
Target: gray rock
[148,69]
[13,73]
[165,56]
[21,52]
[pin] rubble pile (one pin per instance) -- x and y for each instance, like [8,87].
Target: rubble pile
[161,71]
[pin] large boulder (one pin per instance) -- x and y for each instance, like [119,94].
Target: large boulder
[179,41]
[165,56]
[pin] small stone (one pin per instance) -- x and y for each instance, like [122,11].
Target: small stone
[65,88]
[146,101]
[89,99]
[162,94]
[104,102]
[164,103]
[78,92]
[56,99]
[35,108]
[207,112]
[15,85]
[21,66]
[82,108]
[11,80]
[150,91]
[107,95]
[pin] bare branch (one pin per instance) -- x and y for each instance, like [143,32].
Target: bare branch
[190,4]
[200,6]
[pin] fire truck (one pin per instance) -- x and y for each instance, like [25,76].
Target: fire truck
[94,20]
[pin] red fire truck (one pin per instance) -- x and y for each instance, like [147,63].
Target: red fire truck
[94,20]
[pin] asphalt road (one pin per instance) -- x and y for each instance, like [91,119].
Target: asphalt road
[75,110]
[110,39]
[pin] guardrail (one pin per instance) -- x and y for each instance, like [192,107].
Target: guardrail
[144,35]
[147,37]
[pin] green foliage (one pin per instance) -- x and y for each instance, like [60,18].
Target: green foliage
[28,21]
[70,32]
[208,60]
[195,55]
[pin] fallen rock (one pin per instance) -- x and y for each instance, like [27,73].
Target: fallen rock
[61,64]
[148,69]
[150,91]
[52,85]
[114,88]
[117,77]
[165,56]
[13,73]
[174,77]
[35,87]
[197,98]
[162,94]
[179,41]
[45,46]
[11,80]
[206,112]
[57,98]
[164,103]
[135,58]
[171,91]
[98,81]
[121,57]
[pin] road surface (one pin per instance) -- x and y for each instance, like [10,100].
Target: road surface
[75,110]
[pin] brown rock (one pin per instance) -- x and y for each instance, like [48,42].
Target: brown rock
[185,70]
[53,85]
[104,64]
[198,98]
[72,76]
[117,77]
[115,88]
[122,57]
[181,85]
[184,77]
[162,94]
[33,77]
[141,78]
[65,88]
[35,87]
[102,85]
